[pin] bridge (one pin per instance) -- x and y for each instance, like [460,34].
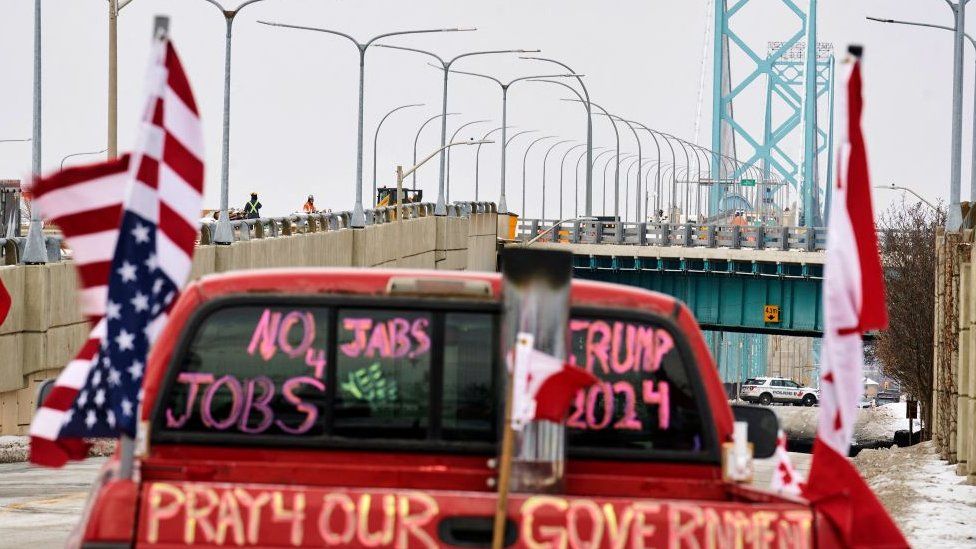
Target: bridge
[737,279]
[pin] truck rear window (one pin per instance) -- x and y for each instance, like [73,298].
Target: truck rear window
[332,374]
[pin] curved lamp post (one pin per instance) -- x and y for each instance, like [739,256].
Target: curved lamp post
[588,103]
[223,232]
[376,138]
[589,123]
[616,171]
[358,216]
[477,160]
[502,206]
[545,162]
[72,155]
[589,167]
[562,170]
[954,190]
[447,168]
[525,158]
[640,153]
[441,207]
[416,139]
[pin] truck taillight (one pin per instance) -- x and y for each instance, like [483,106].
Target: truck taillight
[108,518]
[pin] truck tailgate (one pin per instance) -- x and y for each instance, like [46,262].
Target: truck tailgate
[218,514]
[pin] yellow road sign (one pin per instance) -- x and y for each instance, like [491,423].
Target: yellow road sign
[771,314]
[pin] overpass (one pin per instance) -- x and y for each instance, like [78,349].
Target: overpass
[745,279]
[45,328]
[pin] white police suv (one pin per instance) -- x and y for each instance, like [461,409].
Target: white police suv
[766,390]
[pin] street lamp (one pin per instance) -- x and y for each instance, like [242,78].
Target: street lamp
[223,232]
[376,137]
[589,125]
[545,162]
[589,170]
[616,158]
[441,207]
[658,191]
[893,187]
[616,171]
[114,7]
[72,155]
[589,104]
[477,160]
[35,252]
[358,216]
[640,153]
[400,174]
[416,139]
[447,177]
[562,169]
[502,206]
[525,158]
[955,193]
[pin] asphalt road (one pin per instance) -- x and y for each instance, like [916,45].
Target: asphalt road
[38,506]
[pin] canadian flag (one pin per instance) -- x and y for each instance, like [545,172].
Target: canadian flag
[854,302]
[543,386]
[785,479]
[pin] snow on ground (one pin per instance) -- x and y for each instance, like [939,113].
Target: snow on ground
[878,423]
[15,448]
[933,506]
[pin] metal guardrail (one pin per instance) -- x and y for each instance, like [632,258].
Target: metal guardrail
[271,227]
[688,235]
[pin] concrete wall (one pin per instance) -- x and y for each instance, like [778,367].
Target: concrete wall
[44,327]
[954,367]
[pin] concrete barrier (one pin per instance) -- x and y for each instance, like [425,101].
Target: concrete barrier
[44,328]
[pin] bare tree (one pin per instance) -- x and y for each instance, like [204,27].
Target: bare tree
[908,255]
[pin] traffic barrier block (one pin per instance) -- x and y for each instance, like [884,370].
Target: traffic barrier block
[13,279]
[11,350]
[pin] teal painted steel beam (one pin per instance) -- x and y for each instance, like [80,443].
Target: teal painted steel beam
[722,299]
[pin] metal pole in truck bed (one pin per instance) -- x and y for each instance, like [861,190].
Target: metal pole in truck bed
[535,284]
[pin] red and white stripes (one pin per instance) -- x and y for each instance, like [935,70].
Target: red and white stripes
[163,183]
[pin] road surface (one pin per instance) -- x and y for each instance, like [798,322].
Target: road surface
[39,507]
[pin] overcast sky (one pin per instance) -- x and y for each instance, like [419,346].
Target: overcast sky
[294,92]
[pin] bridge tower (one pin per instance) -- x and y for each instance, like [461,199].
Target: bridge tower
[791,121]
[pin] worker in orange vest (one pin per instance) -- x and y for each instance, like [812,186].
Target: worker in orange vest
[309,206]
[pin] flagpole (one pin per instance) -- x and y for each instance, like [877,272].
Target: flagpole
[127,445]
[504,471]
[535,319]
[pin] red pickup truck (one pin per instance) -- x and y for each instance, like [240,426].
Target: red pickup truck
[361,408]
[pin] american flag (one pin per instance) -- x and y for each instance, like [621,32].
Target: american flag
[131,223]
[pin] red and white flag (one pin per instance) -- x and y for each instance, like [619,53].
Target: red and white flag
[131,224]
[543,386]
[854,302]
[785,479]
[4,302]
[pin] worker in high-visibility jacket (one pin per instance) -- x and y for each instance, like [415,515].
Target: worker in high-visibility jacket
[309,206]
[252,210]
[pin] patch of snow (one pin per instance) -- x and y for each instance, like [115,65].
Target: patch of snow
[877,423]
[932,505]
[15,448]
